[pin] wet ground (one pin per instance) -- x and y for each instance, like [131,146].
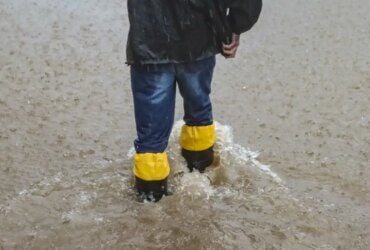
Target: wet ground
[293,134]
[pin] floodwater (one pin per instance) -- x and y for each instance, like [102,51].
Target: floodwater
[293,134]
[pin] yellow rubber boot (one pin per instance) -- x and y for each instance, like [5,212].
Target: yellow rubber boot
[151,171]
[197,146]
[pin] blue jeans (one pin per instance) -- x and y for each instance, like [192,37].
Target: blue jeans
[154,92]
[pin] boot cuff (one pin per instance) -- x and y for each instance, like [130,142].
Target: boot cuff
[197,138]
[151,166]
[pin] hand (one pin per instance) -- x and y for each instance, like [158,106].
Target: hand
[229,50]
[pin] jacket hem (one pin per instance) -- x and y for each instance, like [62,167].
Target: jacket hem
[165,61]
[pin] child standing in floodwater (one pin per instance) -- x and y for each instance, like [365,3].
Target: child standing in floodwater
[175,42]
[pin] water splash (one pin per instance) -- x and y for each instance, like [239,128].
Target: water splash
[236,162]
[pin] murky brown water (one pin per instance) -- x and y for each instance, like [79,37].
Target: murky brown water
[298,93]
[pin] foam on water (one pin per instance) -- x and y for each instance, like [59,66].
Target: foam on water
[234,160]
[238,171]
[226,143]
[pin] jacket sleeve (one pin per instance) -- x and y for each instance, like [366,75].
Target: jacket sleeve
[243,14]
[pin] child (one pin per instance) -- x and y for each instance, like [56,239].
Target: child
[173,42]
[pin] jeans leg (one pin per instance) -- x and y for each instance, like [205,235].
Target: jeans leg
[194,80]
[154,90]
[198,134]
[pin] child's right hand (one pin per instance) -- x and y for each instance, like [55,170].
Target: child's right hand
[229,50]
